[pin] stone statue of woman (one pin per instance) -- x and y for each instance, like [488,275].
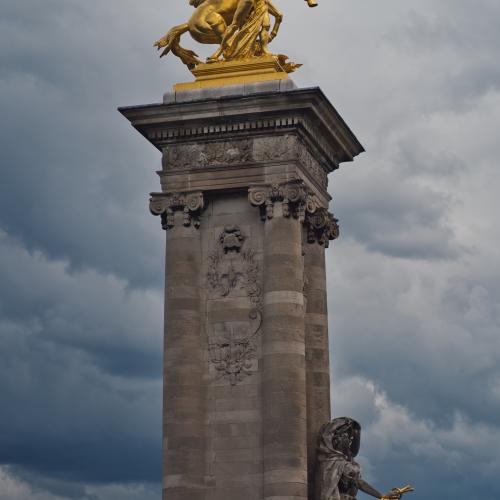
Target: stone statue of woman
[338,475]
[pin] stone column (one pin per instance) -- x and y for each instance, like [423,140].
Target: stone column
[321,227]
[283,352]
[228,376]
[184,403]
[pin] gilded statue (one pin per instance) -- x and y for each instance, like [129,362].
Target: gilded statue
[242,29]
[338,475]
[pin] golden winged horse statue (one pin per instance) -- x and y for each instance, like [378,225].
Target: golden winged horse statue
[241,28]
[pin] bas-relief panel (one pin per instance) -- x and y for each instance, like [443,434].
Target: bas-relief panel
[233,283]
[232,280]
[235,152]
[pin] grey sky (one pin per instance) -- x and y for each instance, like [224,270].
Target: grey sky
[414,280]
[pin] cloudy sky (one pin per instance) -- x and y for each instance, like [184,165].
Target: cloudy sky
[414,281]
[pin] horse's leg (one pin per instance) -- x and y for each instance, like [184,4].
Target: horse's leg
[219,27]
[171,42]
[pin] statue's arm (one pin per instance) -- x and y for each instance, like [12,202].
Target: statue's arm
[368,489]
[278,18]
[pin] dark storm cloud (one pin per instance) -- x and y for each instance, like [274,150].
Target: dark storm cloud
[80,346]
[414,294]
[80,366]
[72,185]
[390,216]
[82,310]
[416,345]
[445,341]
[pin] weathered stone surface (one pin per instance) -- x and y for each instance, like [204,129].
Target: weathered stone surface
[244,201]
[232,138]
[233,90]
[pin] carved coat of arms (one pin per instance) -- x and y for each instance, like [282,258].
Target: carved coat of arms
[234,269]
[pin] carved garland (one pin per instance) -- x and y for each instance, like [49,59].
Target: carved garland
[232,267]
[166,204]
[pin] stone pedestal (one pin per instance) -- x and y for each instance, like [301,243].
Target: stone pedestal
[244,203]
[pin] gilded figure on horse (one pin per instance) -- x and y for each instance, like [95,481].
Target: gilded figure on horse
[242,29]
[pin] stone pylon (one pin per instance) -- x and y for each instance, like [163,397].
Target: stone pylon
[244,203]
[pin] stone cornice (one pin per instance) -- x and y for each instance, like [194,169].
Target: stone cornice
[306,111]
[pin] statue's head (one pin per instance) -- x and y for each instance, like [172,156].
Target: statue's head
[312,3]
[342,435]
[195,3]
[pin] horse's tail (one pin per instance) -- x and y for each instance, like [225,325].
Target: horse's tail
[171,43]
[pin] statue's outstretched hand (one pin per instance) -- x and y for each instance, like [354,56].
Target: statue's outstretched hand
[391,496]
[397,493]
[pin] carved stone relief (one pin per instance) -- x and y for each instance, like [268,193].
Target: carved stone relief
[289,148]
[230,267]
[283,147]
[231,239]
[294,196]
[309,163]
[197,156]
[298,202]
[282,125]
[233,270]
[322,227]
[165,205]
[227,153]
[234,348]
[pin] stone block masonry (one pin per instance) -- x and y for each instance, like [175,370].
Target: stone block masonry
[244,203]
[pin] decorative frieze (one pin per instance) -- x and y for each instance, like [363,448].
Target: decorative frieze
[322,227]
[296,200]
[301,125]
[199,155]
[223,153]
[165,205]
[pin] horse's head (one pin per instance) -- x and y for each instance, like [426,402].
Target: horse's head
[312,3]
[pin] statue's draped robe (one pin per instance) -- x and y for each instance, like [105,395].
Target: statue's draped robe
[245,43]
[334,469]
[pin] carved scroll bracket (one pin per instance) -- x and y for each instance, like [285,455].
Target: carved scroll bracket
[191,204]
[298,202]
[322,227]
[294,196]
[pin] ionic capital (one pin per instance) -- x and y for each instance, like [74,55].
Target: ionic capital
[322,227]
[191,204]
[295,198]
